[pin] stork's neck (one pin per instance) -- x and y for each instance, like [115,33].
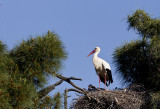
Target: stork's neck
[95,55]
[95,59]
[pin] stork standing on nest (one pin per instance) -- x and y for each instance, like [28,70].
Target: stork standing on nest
[102,68]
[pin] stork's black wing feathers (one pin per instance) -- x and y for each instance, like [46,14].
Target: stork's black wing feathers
[102,78]
[109,76]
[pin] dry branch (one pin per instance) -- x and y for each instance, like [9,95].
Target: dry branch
[65,78]
[70,82]
[48,89]
[66,95]
[65,98]
[77,89]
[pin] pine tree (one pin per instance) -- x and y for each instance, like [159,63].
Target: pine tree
[4,77]
[139,61]
[24,69]
[143,24]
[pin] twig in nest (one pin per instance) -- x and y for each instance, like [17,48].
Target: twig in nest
[116,100]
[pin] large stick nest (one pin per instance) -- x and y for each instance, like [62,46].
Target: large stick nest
[133,97]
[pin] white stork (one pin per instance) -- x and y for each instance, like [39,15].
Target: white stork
[102,68]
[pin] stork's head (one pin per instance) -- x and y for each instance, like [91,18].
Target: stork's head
[97,49]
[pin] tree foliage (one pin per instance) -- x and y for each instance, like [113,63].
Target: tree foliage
[39,56]
[128,59]
[24,69]
[139,61]
[144,24]
[50,102]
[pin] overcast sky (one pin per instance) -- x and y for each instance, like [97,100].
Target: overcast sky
[82,25]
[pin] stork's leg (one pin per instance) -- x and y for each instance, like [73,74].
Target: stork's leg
[105,81]
[99,81]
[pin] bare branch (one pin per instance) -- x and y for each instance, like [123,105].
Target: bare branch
[75,90]
[70,82]
[48,89]
[66,95]
[66,79]
[65,98]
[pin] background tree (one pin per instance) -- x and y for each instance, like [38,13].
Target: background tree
[139,60]
[143,24]
[24,69]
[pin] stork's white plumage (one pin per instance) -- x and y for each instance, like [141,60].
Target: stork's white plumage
[102,68]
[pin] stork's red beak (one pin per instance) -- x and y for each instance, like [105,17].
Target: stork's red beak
[91,53]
